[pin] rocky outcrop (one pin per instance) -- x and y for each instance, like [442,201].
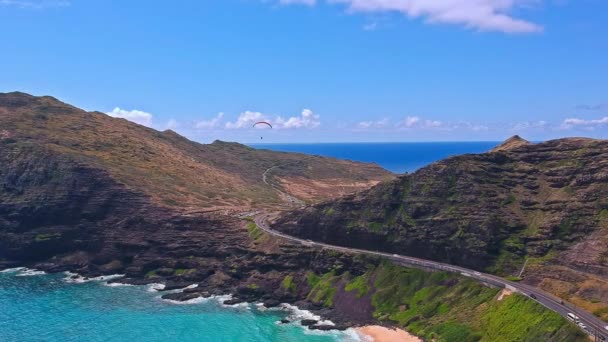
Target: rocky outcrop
[511,143]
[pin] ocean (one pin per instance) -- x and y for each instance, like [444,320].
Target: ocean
[395,157]
[46,307]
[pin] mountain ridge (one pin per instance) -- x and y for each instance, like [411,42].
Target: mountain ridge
[218,175]
[543,202]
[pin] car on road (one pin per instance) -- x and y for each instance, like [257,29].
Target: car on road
[582,325]
[572,317]
[606,327]
[532,295]
[396,255]
[477,273]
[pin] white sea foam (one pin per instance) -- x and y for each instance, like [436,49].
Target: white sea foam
[28,272]
[117,284]
[351,335]
[242,306]
[261,307]
[198,300]
[13,270]
[155,287]
[298,314]
[76,278]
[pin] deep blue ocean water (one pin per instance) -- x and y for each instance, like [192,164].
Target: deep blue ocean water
[47,308]
[395,157]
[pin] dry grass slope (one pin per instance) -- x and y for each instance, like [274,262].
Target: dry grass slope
[169,168]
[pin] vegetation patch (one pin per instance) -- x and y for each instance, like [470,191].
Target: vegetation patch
[324,290]
[513,278]
[516,318]
[510,199]
[312,279]
[288,284]
[445,307]
[254,231]
[182,271]
[47,237]
[359,284]
[151,274]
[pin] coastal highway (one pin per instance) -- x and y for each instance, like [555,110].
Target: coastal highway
[594,326]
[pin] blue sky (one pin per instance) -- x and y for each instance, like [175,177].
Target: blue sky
[324,70]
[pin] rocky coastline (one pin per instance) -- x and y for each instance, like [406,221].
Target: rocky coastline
[308,314]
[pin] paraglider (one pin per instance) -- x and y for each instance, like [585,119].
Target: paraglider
[262,123]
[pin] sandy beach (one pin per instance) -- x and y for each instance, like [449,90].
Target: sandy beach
[382,334]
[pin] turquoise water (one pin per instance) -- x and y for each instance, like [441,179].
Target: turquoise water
[395,157]
[47,308]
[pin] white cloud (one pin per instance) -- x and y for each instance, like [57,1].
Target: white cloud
[526,125]
[586,124]
[467,125]
[34,4]
[172,124]
[307,119]
[209,124]
[417,123]
[136,116]
[246,120]
[486,15]
[374,124]
[414,122]
[410,121]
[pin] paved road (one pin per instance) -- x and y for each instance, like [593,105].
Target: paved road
[595,326]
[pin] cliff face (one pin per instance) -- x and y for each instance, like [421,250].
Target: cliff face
[546,203]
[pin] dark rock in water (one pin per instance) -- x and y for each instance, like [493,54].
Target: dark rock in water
[285,321]
[308,322]
[180,296]
[233,301]
[133,281]
[326,327]
[271,303]
[191,290]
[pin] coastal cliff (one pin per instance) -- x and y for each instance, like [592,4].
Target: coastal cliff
[87,193]
[541,205]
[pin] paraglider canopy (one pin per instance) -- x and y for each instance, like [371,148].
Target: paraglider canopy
[262,123]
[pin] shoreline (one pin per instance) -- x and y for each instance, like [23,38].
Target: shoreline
[294,314]
[377,333]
